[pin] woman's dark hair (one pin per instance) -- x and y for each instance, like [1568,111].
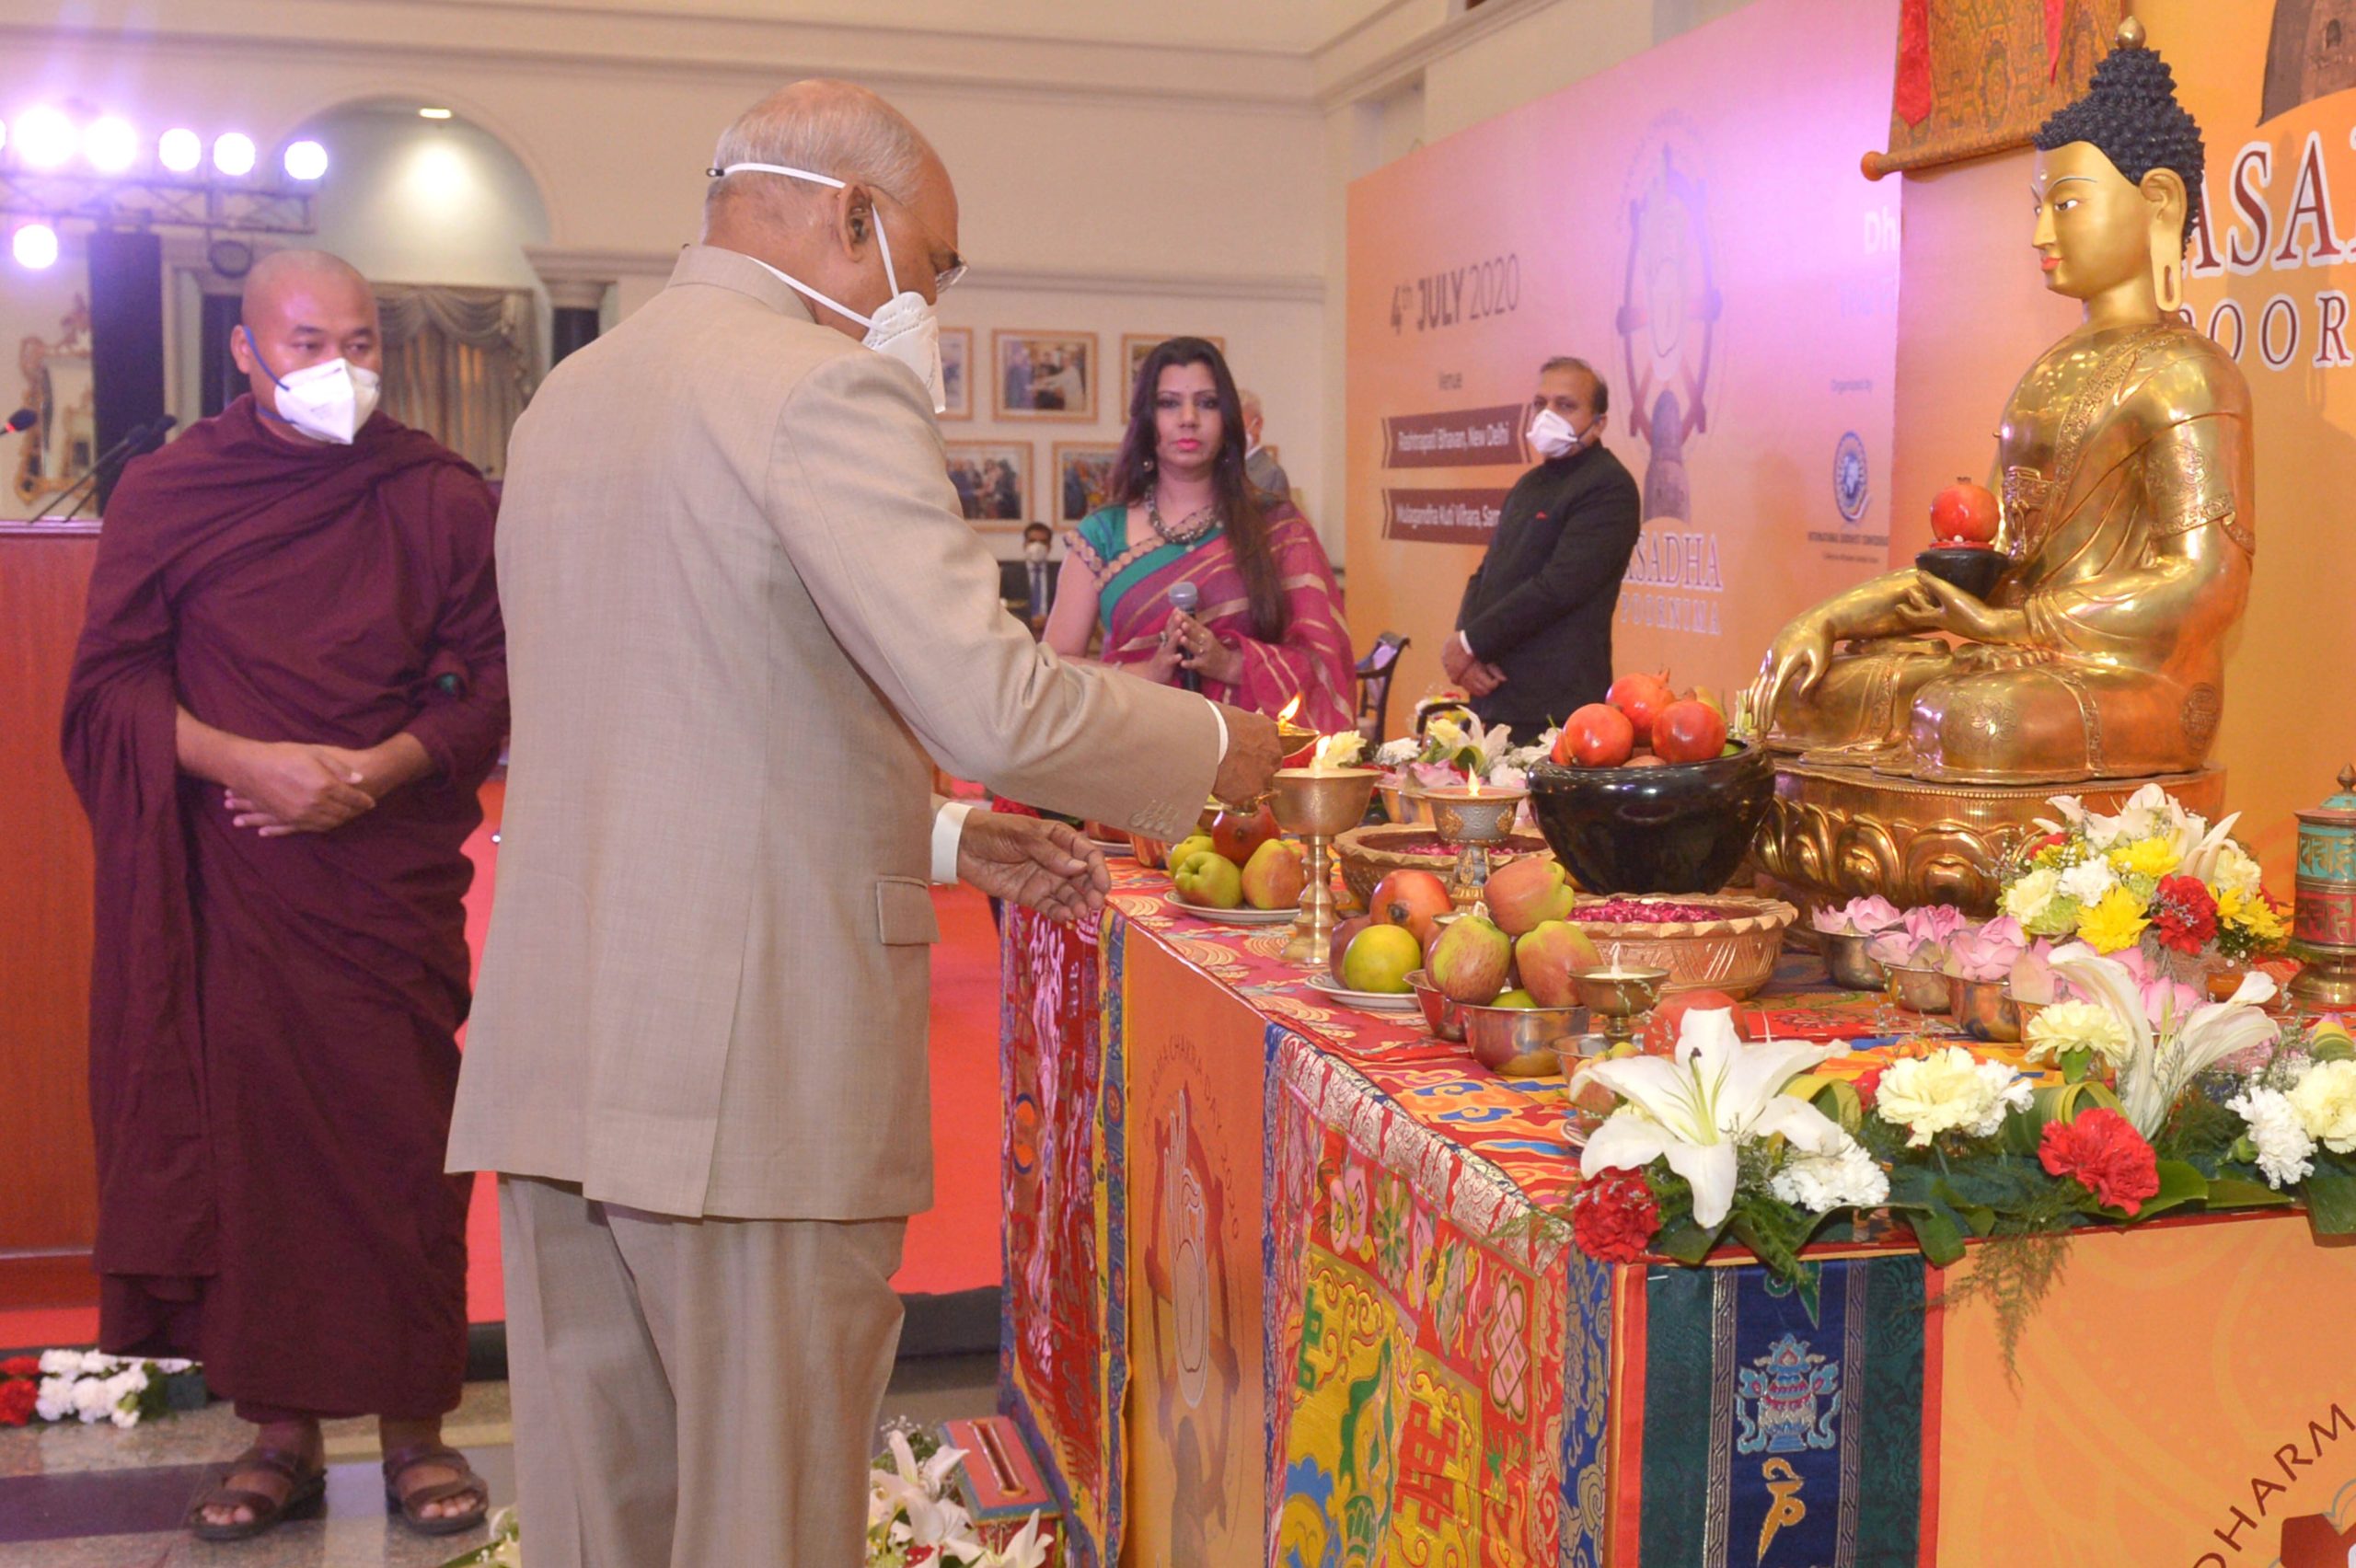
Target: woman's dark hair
[2131,113]
[1238,499]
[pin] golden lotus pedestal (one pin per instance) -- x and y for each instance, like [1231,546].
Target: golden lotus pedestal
[1836,832]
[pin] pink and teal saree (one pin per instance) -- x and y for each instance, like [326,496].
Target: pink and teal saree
[1312,661]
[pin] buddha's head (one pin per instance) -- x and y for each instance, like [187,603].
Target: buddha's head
[2118,186]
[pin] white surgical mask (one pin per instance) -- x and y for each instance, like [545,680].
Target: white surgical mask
[1551,435]
[902,325]
[1035,552]
[330,401]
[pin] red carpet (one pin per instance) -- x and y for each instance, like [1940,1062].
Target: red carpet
[953,1247]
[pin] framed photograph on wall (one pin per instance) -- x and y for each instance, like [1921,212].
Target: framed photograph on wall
[993,480]
[1045,376]
[1083,472]
[957,372]
[1135,346]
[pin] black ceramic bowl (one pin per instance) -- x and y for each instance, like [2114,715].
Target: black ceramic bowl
[1681,827]
[1970,567]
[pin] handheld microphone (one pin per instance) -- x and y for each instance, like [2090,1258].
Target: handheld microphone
[23,418]
[1184,598]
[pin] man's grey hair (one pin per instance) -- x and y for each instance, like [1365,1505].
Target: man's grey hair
[1570,362]
[827,127]
[1249,402]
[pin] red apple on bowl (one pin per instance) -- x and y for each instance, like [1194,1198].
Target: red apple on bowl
[1641,696]
[1688,731]
[1964,513]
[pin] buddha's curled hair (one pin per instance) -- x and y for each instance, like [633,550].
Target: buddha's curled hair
[2130,112]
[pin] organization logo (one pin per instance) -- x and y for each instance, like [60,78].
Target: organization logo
[1852,487]
[1670,307]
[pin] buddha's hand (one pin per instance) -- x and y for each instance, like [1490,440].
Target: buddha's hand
[1932,604]
[1797,659]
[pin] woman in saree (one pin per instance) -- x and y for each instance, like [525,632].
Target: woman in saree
[1266,623]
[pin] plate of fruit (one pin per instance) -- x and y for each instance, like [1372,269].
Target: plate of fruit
[1239,873]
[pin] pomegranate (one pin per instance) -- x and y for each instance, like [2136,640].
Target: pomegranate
[1964,513]
[1641,696]
[1598,735]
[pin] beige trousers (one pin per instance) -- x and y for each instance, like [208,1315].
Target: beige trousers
[695,1393]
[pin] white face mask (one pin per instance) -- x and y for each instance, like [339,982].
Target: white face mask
[902,325]
[330,401]
[1551,436]
[1035,552]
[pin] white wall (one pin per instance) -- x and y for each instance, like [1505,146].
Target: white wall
[411,200]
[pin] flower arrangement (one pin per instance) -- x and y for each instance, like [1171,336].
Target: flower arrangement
[89,1387]
[912,1520]
[1867,917]
[2168,1102]
[2154,876]
[1450,750]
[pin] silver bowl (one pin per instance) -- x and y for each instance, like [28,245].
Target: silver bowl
[1919,990]
[1984,1009]
[1521,1041]
[1443,1015]
[1851,967]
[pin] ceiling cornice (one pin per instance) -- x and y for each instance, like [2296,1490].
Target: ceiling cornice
[1378,76]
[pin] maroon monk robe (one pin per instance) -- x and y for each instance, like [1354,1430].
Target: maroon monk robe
[271,1019]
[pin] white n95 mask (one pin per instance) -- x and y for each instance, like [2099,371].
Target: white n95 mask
[1551,436]
[330,401]
[903,326]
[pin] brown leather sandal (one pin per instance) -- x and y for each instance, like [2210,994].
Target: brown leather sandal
[406,1504]
[305,1493]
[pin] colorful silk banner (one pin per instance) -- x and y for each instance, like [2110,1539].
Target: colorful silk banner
[1977,76]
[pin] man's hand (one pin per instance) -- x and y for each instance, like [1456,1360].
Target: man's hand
[283,787]
[1457,660]
[1253,755]
[1047,866]
[1481,679]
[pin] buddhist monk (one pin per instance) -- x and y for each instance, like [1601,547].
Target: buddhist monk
[290,687]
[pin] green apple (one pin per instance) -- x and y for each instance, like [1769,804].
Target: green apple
[1210,881]
[1381,958]
[1521,1000]
[1189,845]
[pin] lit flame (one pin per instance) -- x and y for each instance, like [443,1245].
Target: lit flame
[1284,715]
[1472,781]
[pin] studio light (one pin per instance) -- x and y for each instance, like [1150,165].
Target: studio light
[34,247]
[181,151]
[306,160]
[45,137]
[434,114]
[3,134]
[111,145]
[233,154]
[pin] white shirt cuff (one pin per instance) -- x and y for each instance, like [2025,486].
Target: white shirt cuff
[1466,643]
[947,831]
[1221,719]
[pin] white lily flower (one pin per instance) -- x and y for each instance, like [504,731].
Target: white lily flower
[1696,1109]
[2073,814]
[2199,853]
[2162,1063]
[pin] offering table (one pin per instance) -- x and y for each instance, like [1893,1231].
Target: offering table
[1277,1290]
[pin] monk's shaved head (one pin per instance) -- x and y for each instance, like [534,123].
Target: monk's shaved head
[316,274]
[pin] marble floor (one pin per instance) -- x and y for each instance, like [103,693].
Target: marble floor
[75,1496]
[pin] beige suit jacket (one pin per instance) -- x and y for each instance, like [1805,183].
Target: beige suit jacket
[742,606]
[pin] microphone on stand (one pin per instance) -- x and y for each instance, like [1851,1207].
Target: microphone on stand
[1184,598]
[23,418]
[142,440]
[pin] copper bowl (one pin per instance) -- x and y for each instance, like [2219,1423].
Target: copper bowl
[1442,1014]
[1985,1009]
[1521,1041]
[1367,854]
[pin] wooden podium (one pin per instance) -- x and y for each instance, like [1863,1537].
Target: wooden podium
[48,1180]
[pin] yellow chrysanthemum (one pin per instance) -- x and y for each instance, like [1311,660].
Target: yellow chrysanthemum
[2115,923]
[2251,915]
[2153,858]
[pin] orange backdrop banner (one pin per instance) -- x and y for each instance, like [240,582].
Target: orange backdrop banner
[1694,224]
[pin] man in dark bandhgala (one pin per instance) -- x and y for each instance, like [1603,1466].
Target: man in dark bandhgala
[1533,634]
[290,685]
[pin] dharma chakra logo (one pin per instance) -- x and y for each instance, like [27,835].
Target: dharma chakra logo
[1788,1400]
[1850,486]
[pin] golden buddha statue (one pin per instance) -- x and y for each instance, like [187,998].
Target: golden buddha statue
[2123,478]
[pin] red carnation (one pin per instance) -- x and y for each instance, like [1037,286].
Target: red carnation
[1614,1216]
[2184,914]
[2106,1155]
[18,1398]
[20,1366]
[1868,1084]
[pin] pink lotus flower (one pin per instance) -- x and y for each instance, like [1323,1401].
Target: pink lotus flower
[2033,979]
[1988,952]
[1858,917]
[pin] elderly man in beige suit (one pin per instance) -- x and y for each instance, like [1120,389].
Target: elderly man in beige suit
[742,608]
